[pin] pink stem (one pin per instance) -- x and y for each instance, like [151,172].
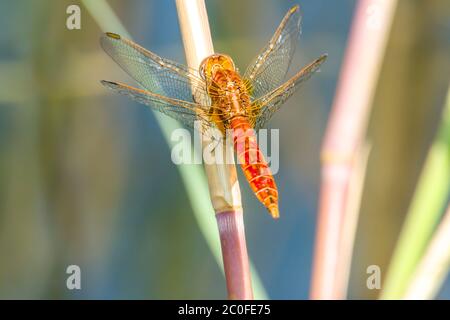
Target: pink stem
[234,253]
[345,133]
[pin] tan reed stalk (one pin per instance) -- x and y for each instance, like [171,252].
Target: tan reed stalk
[344,137]
[222,178]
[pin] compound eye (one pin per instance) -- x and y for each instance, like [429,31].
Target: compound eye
[226,59]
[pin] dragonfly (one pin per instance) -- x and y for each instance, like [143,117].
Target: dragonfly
[218,95]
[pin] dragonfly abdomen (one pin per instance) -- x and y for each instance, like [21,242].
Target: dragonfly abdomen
[254,165]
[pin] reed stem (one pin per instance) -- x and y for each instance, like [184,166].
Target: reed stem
[193,177]
[434,266]
[344,138]
[424,213]
[234,251]
[222,178]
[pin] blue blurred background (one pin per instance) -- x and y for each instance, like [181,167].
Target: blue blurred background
[86,177]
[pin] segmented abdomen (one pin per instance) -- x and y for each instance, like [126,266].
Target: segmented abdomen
[254,165]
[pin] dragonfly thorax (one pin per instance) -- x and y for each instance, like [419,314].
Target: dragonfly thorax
[225,86]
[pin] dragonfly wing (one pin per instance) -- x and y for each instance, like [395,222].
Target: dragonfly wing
[271,102]
[269,68]
[154,73]
[184,111]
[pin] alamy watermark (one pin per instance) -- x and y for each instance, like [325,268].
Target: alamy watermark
[73,21]
[374,279]
[211,147]
[73,281]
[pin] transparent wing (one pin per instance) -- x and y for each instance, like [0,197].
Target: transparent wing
[269,68]
[183,111]
[264,107]
[154,73]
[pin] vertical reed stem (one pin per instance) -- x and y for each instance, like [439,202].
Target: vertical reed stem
[234,252]
[425,211]
[344,136]
[222,178]
[434,266]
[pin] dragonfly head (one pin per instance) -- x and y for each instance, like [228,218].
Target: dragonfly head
[214,64]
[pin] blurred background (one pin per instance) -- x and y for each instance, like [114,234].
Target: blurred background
[86,177]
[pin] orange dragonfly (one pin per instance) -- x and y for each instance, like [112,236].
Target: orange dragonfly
[223,98]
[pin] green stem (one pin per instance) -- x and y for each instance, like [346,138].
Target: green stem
[424,214]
